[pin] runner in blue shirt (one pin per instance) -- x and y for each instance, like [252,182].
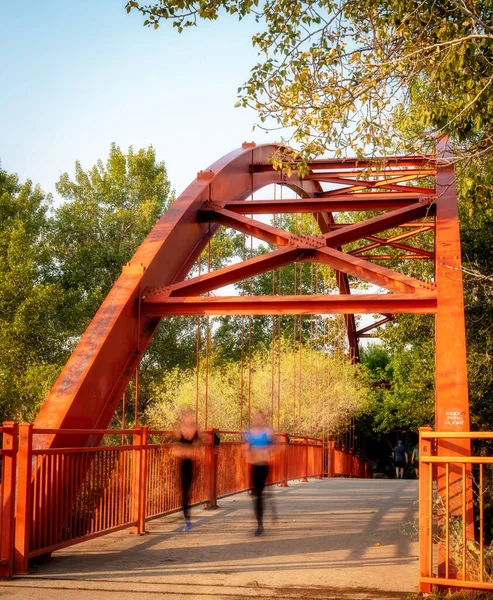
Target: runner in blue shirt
[260,442]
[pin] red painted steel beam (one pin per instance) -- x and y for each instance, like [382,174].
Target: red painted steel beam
[378,224]
[342,281]
[369,173]
[210,212]
[387,183]
[451,367]
[397,188]
[356,163]
[391,257]
[379,242]
[416,225]
[381,276]
[230,274]
[365,330]
[257,229]
[422,303]
[411,249]
[345,203]
[451,385]
[325,222]
[92,382]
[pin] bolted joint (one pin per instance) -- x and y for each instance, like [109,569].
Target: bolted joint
[130,269]
[205,175]
[210,205]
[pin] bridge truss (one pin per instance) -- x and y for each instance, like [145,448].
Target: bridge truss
[411,194]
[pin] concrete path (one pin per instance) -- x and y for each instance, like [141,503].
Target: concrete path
[339,538]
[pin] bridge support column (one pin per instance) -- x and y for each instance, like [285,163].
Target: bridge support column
[451,392]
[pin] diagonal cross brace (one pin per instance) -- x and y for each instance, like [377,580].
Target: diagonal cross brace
[344,235]
[344,262]
[367,271]
[228,275]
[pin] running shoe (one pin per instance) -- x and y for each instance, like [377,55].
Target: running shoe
[259,531]
[188,526]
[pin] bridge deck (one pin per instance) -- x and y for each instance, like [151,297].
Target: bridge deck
[337,538]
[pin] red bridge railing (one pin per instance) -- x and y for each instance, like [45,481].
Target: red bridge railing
[455,511]
[65,496]
[8,455]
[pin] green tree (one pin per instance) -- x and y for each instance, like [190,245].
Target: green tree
[32,308]
[106,213]
[338,73]
[57,266]
[318,394]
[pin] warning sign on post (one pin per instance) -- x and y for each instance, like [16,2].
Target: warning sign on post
[454,417]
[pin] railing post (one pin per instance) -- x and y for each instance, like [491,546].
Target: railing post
[284,482]
[320,454]
[23,517]
[305,478]
[330,458]
[211,466]
[137,478]
[144,454]
[425,511]
[9,444]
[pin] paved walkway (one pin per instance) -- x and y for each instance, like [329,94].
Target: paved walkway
[339,538]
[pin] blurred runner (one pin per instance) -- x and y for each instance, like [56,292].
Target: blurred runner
[260,442]
[188,436]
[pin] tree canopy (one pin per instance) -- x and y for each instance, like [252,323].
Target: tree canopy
[58,263]
[339,74]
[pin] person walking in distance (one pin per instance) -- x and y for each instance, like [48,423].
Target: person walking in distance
[188,436]
[415,461]
[260,442]
[399,456]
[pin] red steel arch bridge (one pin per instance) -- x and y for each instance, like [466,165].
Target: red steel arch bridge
[62,468]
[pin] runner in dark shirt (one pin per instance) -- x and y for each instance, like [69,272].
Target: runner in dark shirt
[399,456]
[188,436]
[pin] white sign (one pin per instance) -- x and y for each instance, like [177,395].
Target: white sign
[454,417]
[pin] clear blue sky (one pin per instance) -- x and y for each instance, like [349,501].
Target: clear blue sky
[77,75]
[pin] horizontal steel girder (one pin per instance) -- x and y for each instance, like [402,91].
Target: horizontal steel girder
[381,163]
[211,212]
[92,382]
[422,303]
[344,203]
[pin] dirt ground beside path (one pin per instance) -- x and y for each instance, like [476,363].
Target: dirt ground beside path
[338,538]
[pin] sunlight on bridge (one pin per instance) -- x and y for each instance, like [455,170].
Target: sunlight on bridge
[350,534]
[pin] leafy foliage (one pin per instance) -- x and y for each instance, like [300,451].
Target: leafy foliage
[318,393]
[56,266]
[32,309]
[106,214]
[338,74]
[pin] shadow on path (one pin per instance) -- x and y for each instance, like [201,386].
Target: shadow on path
[332,534]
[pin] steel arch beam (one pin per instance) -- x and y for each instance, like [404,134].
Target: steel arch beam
[92,382]
[153,283]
